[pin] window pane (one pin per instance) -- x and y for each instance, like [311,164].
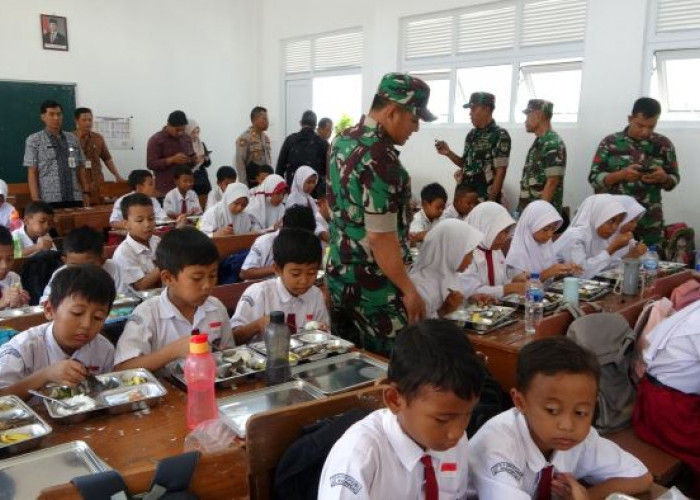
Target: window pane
[493,79]
[439,103]
[682,84]
[561,87]
[335,96]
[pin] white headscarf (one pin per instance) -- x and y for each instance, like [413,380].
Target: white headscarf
[680,324]
[220,215]
[490,218]
[435,272]
[297,196]
[198,145]
[632,208]
[260,207]
[525,254]
[595,211]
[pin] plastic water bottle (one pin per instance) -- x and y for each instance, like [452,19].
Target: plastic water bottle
[650,267]
[276,336]
[534,307]
[16,246]
[200,372]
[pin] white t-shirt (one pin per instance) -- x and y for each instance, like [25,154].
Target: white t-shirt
[376,459]
[24,239]
[214,196]
[116,215]
[120,286]
[134,259]
[451,213]
[172,203]
[421,223]
[260,254]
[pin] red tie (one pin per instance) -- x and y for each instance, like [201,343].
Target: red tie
[544,487]
[489,264]
[431,486]
[183,206]
[292,323]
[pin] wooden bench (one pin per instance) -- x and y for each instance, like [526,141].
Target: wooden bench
[230,294]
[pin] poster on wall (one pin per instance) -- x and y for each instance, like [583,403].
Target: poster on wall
[54,32]
[116,131]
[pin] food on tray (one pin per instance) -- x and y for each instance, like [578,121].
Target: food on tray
[134,380]
[14,437]
[312,325]
[63,392]
[6,405]
[82,403]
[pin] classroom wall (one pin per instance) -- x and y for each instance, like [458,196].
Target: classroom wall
[145,59]
[612,80]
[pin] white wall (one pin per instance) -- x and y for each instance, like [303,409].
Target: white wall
[612,80]
[145,59]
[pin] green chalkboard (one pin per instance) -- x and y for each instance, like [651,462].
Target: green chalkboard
[20,104]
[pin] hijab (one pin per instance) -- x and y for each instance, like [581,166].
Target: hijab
[525,253]
[297,195]
[198,145]
[220,215]
[490,218]
[632,208]
[260,207]
[595,211]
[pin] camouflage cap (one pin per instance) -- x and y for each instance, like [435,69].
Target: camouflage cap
[481,99]
[539,105]
[410,92]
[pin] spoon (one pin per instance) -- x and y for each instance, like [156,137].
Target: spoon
[63,404]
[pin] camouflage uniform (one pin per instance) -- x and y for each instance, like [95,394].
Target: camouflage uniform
[251,147]
[369,190]
[618,151]
[545,158]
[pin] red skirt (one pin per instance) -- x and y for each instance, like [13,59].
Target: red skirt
[670,420]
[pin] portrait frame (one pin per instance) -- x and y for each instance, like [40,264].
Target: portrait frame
[54,32]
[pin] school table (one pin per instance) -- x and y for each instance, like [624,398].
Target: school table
[96,217]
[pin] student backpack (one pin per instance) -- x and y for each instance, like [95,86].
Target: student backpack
[679,244]
[610,338]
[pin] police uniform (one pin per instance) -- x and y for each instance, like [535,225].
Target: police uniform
[260,254]
[618,151]
[546,158]
[109,266]
[157,322]
[370,191]
[134,259]
[505,462]
[37,348]
[117,216]
[172,203]
[485,149]
[376,459]
[251,147]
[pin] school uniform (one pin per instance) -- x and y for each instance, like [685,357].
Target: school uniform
[505,462]
[11,280]
[134,259]
[219,216]
[298,196]
[175,203]
[25,240]
[451,213]
[120,286]
[157,322]
[260,299]
[213,197]
[267,214]
[260,254]
[116,215]
[37,348]
[376,459]
[525,254]
[421,223]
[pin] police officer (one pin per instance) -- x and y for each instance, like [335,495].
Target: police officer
[486,150]
[369,196]
[640,163]
[253,146]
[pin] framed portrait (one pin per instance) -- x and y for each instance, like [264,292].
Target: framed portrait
[54,32]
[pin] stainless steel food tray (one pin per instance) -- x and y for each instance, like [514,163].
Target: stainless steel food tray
[323,345]
[31,424]
[341,373]
[236,410]
[588,290]
[465,317]
[21,311]
[551,301]
[223,360]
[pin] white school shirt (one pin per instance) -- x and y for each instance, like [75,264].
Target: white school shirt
[12,279]
[134,259]
[214,197]
[116,215]
[24,239]
[172,203]
[156,323]
[504,461]
[421,223]
[37,348]
[376,459]
[260,299]
[576,252]
[260,254]
[451,213]
[120,286]
[6,214]
[476,278]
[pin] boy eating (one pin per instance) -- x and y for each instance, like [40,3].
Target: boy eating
[546,445]
[182,199]
[12,294]
[68,347]
[465,199]
[433,198]
[141,181]
[158,331]
[224,176]
[417,447]
[34,236]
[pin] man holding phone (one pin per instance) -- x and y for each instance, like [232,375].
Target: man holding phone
[640,163]
[168,148]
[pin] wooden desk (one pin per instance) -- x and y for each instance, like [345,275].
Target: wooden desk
[96,217]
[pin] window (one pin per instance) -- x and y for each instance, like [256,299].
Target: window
[470,80]
[335,96]
[439,83]
[559,83]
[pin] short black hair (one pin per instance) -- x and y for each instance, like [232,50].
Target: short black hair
[83,240]
[177,118]
[553,355]
[80,111]
[49,103]
[92,283]
[184,247]
[138,177]
[465,189]
[379,103]
[256,111]
[432,192]
[38,207]
[226,172]
[435,353]
[5,236]
[324,122]
[134,200]
[181,170]
[308,119]
[267,169]
[300,217]
[647,107]
[295,245]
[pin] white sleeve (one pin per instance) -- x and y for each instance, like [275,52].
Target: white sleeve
[194,201]
[116,215]
[169,203]
[158,210]
[140,328]
[226,337]
[417,224]
[250,307]
[208,222]
[492,475]
[12,364]
[320,309]
[211,199]
[576,252]
[494,291]
[120,285]
[602,459]
[254,258]
[129,266]
[349,470]
[470,282]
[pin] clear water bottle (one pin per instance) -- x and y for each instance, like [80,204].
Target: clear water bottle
[650,267]
[534,304]
[200,372]
[276,335]
[16,246]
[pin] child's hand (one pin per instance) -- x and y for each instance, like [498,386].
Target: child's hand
[566,487]
[619,241]
[262,323]
[24,297]
[453,301]
[417,237]
[12,297]
[224,231]
[45,242]
[638,250]
[481,299]
[66,372]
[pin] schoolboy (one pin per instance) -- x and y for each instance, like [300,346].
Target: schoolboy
[141,181]
[417,446]
[34,236]
[182,199]
[224,176]
[433,198]
[136,254]
[84,245]
[158,331]
[546,445]
[260,173]
[297,259]
[11,292]
[465,199]
[258,264]
[68,347]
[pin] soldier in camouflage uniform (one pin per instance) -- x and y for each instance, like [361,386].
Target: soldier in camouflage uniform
[486,150]
[253,146]
[640,163]
[543,172]
[369,197]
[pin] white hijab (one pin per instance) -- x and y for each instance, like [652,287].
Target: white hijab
[435,271]
[632,208]
[490,218]
[297,195]
[220,215]
[680,324]
[595,211]
[525,253]
[260,207]
[197,145]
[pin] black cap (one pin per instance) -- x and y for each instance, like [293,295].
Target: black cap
[277,317]
[177,119]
